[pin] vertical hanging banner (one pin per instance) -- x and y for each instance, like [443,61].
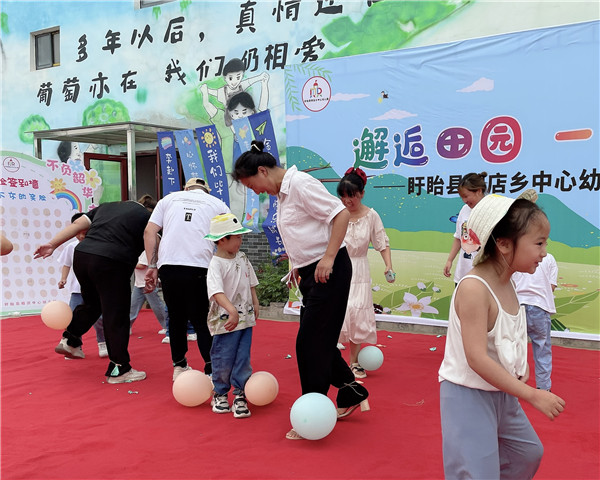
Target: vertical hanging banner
[188,154]
[271,231]
[242,142]
[168,162]
[262,129]
[212,157]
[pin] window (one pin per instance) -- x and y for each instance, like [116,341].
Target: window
[46,48]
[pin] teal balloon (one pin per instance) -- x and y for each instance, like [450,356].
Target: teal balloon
[370,358]
[313,416]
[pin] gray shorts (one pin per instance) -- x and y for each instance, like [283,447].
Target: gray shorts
[486,435]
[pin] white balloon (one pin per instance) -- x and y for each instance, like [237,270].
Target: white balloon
[313,416]
[370,358]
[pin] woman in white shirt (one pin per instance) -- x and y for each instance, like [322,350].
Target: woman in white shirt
[312,224]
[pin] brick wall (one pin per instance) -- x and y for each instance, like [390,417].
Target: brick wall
[256,246]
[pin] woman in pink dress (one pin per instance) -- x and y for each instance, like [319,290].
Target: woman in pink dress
[365,227]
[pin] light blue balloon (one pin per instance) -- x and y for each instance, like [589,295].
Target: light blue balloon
[370,358]
[313,416]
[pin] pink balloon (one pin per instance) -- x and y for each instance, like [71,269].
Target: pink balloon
[261,388]
[57,315]
[192,388]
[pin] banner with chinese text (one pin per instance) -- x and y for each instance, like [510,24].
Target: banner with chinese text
[37,200]
[522,107]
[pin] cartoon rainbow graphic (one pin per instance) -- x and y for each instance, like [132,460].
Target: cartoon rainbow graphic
[69,196]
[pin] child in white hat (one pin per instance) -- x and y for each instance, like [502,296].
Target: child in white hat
[231,283]
[485,432]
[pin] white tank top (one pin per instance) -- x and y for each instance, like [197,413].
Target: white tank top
[506,344]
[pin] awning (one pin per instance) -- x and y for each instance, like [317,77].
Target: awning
[125,133]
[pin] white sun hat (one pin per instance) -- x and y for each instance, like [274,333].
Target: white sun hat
[223,225]
[486,215]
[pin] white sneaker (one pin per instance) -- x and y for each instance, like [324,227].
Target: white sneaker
[192,337]
[166,340]
[102,350]
[162,331]
[179,370]
[240,407]
[131,376]
[68,351]
[220,404]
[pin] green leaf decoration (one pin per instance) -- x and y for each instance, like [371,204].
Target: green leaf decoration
[558,325]
[386,26]
[4,23]
[567,305]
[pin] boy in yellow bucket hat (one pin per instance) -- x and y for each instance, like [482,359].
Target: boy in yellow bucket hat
[231,283]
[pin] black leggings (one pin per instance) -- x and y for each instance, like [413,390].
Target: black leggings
[320,362]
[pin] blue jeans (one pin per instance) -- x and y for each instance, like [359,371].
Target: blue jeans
[77,299]
[538,329]
[230,356]
[156,304]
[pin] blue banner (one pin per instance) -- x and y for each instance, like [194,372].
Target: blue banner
[271,231]
[418,119]
[188,154]
[212,156]
[241,143]
[262,129]
[168,163]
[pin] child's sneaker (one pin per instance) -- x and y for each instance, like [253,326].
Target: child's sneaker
[240,407]
[219,403]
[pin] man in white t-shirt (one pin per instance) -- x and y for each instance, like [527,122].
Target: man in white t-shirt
[181,260]
[535,292]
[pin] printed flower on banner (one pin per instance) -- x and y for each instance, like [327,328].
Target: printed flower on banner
[92,179]
[421,286]
[416,306]
[58,185]
[76,164]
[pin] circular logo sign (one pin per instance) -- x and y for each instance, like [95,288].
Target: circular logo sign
[316,94]
[11,164]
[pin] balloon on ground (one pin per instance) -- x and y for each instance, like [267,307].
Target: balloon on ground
[313,416]
[56,315]
[261,388]
[370,358]
[192,388]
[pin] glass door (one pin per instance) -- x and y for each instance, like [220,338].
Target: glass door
[112,169]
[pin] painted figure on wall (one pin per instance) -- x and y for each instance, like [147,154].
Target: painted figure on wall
[233,74]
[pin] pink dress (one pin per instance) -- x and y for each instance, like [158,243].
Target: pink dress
[359,323]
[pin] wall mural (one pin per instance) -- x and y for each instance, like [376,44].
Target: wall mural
[179,63]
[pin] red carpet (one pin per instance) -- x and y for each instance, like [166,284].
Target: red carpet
[60,420]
